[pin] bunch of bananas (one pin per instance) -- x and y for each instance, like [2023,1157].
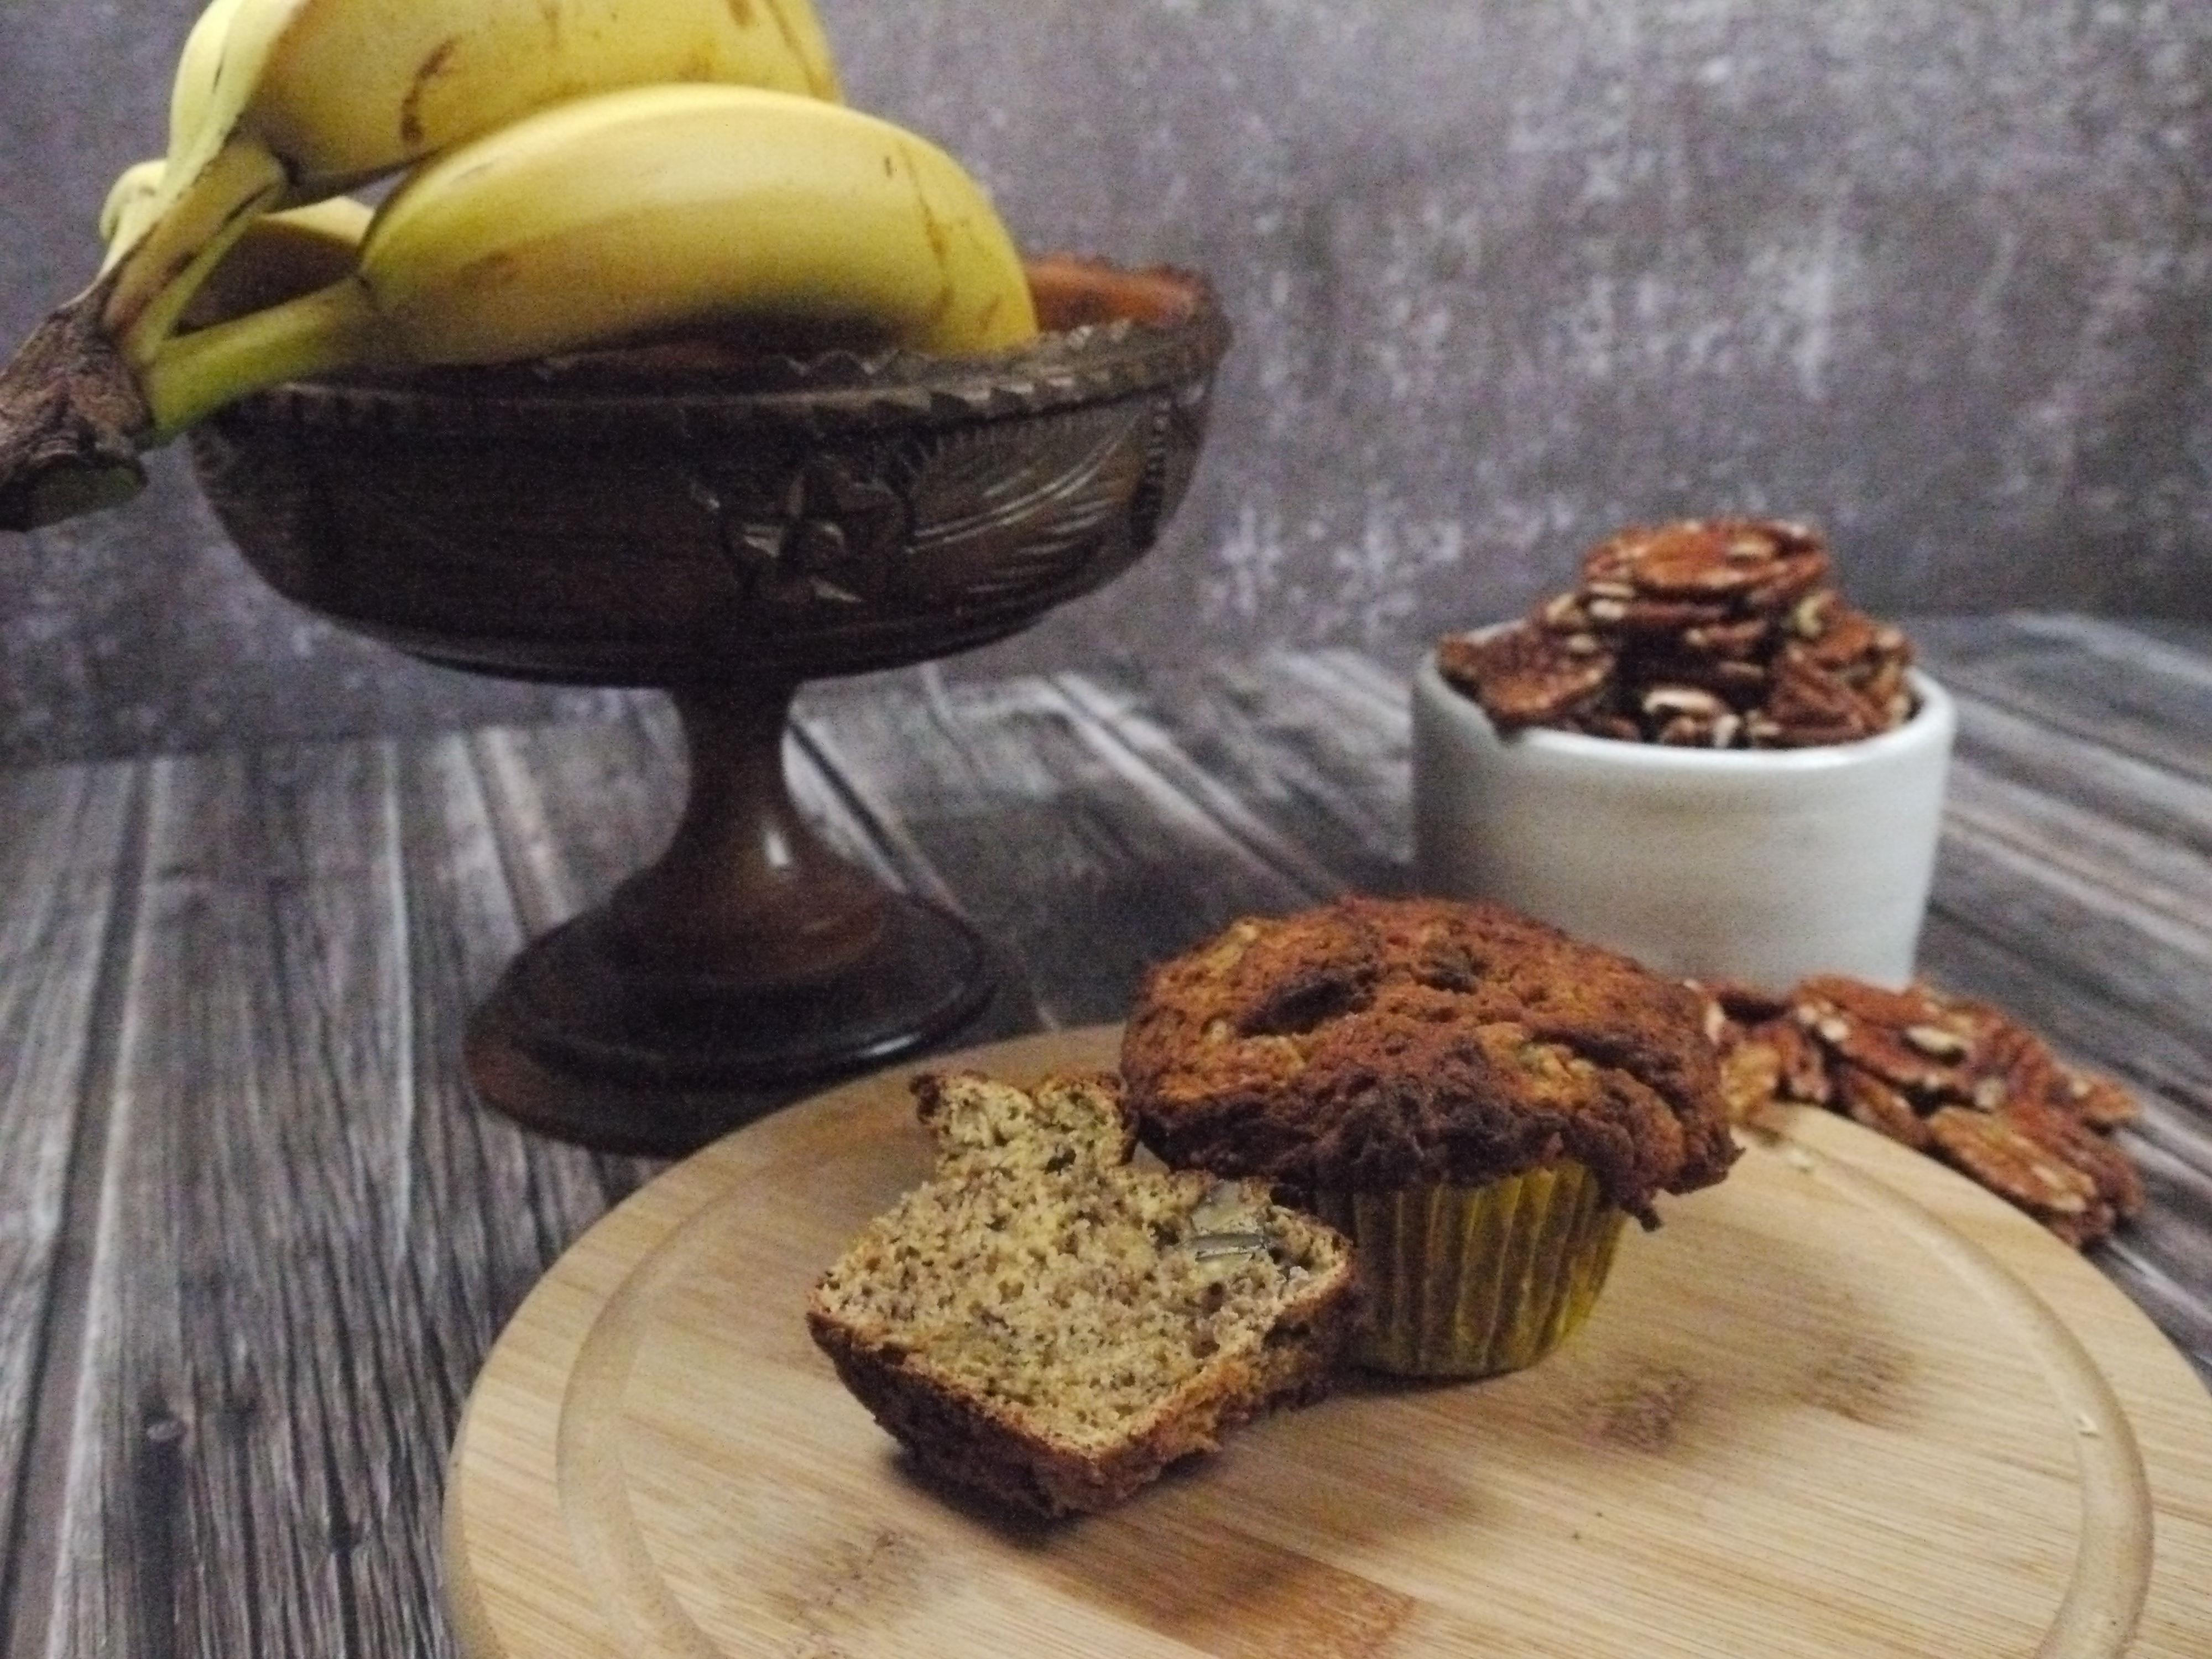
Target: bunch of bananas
[577,174]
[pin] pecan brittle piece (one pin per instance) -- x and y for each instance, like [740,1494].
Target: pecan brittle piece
[2097,1101]
[1945,1075]
[1700,558]
[2118,1184]
[1642,616]
[1867,1099]
[1735,607]
[1730,640]
[1843,637]
[1905,1038]
[1997,1153]
[1523,676]
[1871,1005]
[1742,680]
[1812,706]
[1801,1072]
[1805,1070]
[2016,1065]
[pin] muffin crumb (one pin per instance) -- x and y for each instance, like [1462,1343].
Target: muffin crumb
[1043,1321]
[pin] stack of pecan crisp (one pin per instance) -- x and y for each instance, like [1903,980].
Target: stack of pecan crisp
[1711,633]
[1944,1075]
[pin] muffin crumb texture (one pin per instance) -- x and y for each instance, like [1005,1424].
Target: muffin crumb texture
[1378,1044]
[1045,1322]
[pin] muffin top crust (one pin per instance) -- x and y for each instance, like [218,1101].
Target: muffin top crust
[1375,1044]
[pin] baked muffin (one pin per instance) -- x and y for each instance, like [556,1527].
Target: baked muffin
[1043,1323]
[1477,1098]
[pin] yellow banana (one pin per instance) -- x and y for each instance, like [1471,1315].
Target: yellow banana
[192,88]
[129,207]
[292,100]
[132,203]
[634,215]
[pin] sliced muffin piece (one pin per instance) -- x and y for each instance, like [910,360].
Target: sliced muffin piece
[1044,1322]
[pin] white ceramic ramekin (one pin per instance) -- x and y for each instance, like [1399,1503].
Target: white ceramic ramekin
[1762,866]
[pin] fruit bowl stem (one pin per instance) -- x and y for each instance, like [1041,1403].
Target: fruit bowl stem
[746,960]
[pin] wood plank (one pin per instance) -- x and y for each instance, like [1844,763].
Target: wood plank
[1312,749]
[2109,912]
[2098,679]
[66,866]
[205,1428]
[2188,633]
[575,808]
[1079,856]
[308,1234]
[502,1202]
[2157,802]
[2076,884]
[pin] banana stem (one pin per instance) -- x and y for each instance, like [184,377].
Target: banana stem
[192,225]
[194,374]
[159,320]
[71,420]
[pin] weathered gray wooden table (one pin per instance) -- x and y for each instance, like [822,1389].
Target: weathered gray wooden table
[255,1238]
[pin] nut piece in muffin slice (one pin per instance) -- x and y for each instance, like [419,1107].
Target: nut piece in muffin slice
[1045,1322]
[1378,1044]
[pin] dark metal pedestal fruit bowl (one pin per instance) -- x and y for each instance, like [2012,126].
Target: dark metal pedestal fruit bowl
[726,527]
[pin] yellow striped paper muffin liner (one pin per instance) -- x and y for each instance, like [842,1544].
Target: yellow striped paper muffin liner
[1470,1281]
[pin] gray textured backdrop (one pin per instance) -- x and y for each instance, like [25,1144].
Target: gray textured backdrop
[1507,274]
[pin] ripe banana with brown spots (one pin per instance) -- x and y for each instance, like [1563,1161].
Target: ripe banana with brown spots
[287,101]
[630,216]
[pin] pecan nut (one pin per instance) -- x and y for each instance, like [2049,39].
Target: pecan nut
[1996,1152]
[1867,1100]
[1524,675]
[1735,611]
[1948,1076]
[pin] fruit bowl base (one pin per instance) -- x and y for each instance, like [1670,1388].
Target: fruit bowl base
[576,1041]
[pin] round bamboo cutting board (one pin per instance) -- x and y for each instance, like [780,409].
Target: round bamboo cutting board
[1845,1404]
